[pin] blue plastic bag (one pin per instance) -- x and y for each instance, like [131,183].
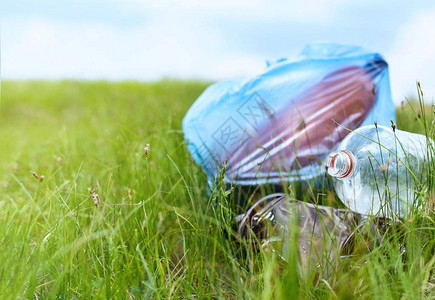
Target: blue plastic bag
[280,125]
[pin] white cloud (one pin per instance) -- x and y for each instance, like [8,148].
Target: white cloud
[308,11]
[169,48]
[413,58]
[186,39]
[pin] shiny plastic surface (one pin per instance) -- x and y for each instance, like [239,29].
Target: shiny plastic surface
[324,234]
[390,174]
[279,126]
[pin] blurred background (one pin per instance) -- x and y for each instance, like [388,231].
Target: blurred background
[208,40]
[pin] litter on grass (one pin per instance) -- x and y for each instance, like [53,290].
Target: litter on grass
[279,125]
[325,235]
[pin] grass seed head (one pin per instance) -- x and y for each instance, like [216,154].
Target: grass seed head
[419,88]
[384,168]
[147,150]
[94,196]
[58,159]
[96,199]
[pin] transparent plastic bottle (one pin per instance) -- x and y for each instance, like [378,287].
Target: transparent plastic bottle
[378,170]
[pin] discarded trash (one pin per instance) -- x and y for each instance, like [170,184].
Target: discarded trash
[380,170]
[324,234]
[280,125]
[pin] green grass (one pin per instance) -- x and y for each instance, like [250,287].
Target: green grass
[154,233]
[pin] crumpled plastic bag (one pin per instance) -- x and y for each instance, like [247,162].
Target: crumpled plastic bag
[324,234]
[280,125]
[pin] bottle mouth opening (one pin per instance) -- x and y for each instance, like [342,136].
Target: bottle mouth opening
[340,164]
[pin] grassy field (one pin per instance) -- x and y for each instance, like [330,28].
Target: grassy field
[153,233]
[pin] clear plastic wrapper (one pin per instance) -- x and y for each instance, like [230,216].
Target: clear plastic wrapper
[279,126]
[324,235]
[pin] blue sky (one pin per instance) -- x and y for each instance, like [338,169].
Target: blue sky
[149,40]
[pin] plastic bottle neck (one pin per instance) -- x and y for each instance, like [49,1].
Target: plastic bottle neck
[341,164]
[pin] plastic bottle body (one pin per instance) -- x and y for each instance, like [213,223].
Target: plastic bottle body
[388,168]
